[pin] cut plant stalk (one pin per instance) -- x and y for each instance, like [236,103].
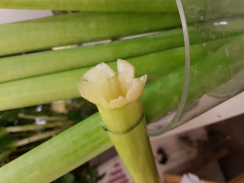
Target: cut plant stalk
[77,28]
[118,99]
[48,88]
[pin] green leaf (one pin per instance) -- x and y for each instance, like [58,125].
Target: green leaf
[100,177]
[67,178]
[7,145]
[76,115]
[8,117]
[93,173]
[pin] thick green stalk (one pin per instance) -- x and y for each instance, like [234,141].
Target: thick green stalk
[61,60]
[126,5]
[77,28]
[63,85]
[95,5]
[164,62]
[65,152]
[87,139]
[205,76]
[56,61]
[134,147]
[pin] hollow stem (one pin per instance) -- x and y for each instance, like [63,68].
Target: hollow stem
[134,147]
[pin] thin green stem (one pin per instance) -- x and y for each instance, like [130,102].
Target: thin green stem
[39,137]
[23,128]
[46,118]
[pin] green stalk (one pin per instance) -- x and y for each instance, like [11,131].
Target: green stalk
[126,5]
[48,88]
[77,28]
[96,5]
[87,139]
[134,147]
[118,99]
[55,61]
[205,75]
[164,62]
[22,128]
[65,152]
